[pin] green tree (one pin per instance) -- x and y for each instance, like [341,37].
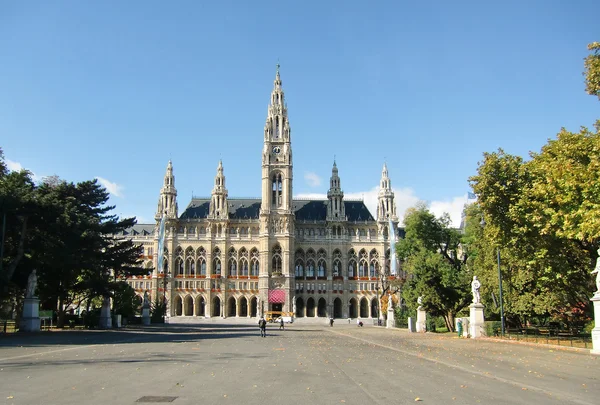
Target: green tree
[592,70]
[434,254]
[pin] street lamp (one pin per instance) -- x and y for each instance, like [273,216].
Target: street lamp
[500,286]
[166,277]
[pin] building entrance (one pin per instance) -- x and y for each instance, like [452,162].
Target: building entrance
[276,307]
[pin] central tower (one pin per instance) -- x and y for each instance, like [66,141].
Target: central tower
[276,213]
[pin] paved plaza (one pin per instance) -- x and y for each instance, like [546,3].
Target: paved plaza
[223,363]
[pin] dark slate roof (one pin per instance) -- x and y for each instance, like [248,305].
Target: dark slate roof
[309,210]
[140,229]
[243,208]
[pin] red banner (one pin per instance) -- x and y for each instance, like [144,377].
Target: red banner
[277,296]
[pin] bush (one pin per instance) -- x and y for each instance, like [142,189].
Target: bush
[588,327]
[158,310]
[492,328]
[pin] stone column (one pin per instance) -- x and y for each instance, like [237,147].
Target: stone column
[596,331]
[30,320]
[421,320]
[476,321]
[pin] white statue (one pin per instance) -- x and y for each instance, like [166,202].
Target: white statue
[31,285]
[596,271]
[390,303]
[475,285]
[420,300]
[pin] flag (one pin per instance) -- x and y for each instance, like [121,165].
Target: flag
[471,196]
[392,248]
[161,243]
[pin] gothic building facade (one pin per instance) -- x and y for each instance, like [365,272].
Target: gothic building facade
[231,257]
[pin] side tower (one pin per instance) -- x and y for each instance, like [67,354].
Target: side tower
[219,208]
[276,214]
[336,211]
[167,202]
[386,205]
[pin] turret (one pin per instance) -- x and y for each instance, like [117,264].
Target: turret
[218,201]
[336,210]
[167,202]
[386,205]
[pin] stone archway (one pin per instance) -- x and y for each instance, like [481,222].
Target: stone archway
[310,307]
[188,307]
[322,308]
[178,306]
[200,306]
[300,308]
[374,308]
[216,307]
[243,306]
[253,311]
[231,307]
[353,308]
[364,308]
[337,308]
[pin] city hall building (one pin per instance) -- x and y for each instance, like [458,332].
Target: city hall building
[232,257]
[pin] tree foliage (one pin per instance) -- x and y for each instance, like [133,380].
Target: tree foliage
[66,232]
[434,254]
[592,70]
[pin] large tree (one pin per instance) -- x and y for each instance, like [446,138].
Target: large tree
[592,70]
[435,256]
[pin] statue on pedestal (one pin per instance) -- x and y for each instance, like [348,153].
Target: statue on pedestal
[31,285]
[146,303]
[475,286]
[390,303]
[596,271]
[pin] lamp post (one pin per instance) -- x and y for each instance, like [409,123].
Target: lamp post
[501,300]
[166,277]
[499,285]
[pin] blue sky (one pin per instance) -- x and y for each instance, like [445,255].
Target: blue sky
[114,89]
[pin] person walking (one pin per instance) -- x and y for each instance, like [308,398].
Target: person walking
[262,324]
[281,326]
[331,321]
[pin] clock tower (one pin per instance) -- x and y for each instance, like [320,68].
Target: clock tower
[276,213]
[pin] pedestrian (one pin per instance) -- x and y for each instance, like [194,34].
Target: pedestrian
[331,321]
[281,327]
[359,322]
[262,324]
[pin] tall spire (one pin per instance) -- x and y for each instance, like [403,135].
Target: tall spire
[167,202]
[218,203]
[386,205]
[277,126]
[336,211]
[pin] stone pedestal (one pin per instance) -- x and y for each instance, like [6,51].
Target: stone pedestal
[105,318]
[476,321]
[30,321]
[117,320]
[412,327]
[391,319]
[146,316]
[421,320]
[596,330]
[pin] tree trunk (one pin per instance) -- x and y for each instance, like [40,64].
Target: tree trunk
[449,319]
[10,270]
[60,313]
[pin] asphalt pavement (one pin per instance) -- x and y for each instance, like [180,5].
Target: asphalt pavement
[225,363]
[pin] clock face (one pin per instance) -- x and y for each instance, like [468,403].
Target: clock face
[276,150]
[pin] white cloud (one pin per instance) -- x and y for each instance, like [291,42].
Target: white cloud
[405,198]
[112,188]
[17,167]
[13,166]
[454,207]
[312,179]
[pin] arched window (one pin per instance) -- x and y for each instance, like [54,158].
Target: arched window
[277,190]
[254,263]
[310,268]
[179,266]
[276,260]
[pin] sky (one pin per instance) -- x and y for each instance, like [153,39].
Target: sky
[112,90]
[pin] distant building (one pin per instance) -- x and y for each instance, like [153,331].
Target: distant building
[230,257]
